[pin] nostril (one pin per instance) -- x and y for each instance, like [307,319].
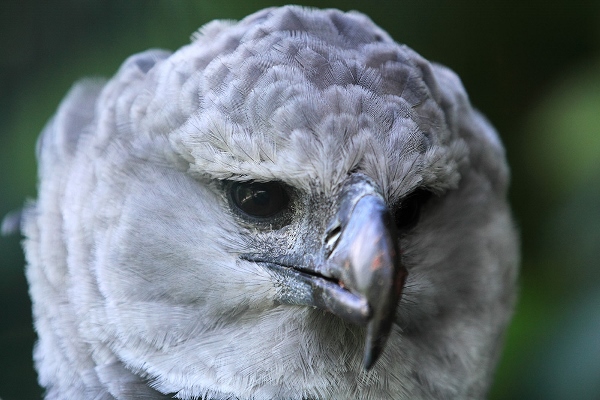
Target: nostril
[332,238]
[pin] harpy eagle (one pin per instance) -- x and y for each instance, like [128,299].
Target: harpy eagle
[292,206]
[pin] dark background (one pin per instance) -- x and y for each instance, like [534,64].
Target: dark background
[532,67]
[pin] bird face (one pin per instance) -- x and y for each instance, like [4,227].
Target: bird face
[353,271]
[293,206]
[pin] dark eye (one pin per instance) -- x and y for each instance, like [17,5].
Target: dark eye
[260,200]
[408,211]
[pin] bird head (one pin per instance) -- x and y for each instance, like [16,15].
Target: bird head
[292,206]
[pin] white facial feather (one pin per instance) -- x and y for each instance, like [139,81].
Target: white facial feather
[133,251]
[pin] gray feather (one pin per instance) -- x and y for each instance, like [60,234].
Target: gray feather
[11,223]
[133,251]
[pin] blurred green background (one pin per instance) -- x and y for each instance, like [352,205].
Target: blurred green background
[532,67]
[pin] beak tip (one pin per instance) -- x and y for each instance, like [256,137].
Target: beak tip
[375,341]
[368,361]
[371,355]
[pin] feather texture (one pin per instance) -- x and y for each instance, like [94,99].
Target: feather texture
[133,251]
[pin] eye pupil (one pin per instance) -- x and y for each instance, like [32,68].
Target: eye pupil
[259,199]
[408,212]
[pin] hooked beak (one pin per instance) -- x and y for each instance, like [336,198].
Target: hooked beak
[360,277]
[364,256]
